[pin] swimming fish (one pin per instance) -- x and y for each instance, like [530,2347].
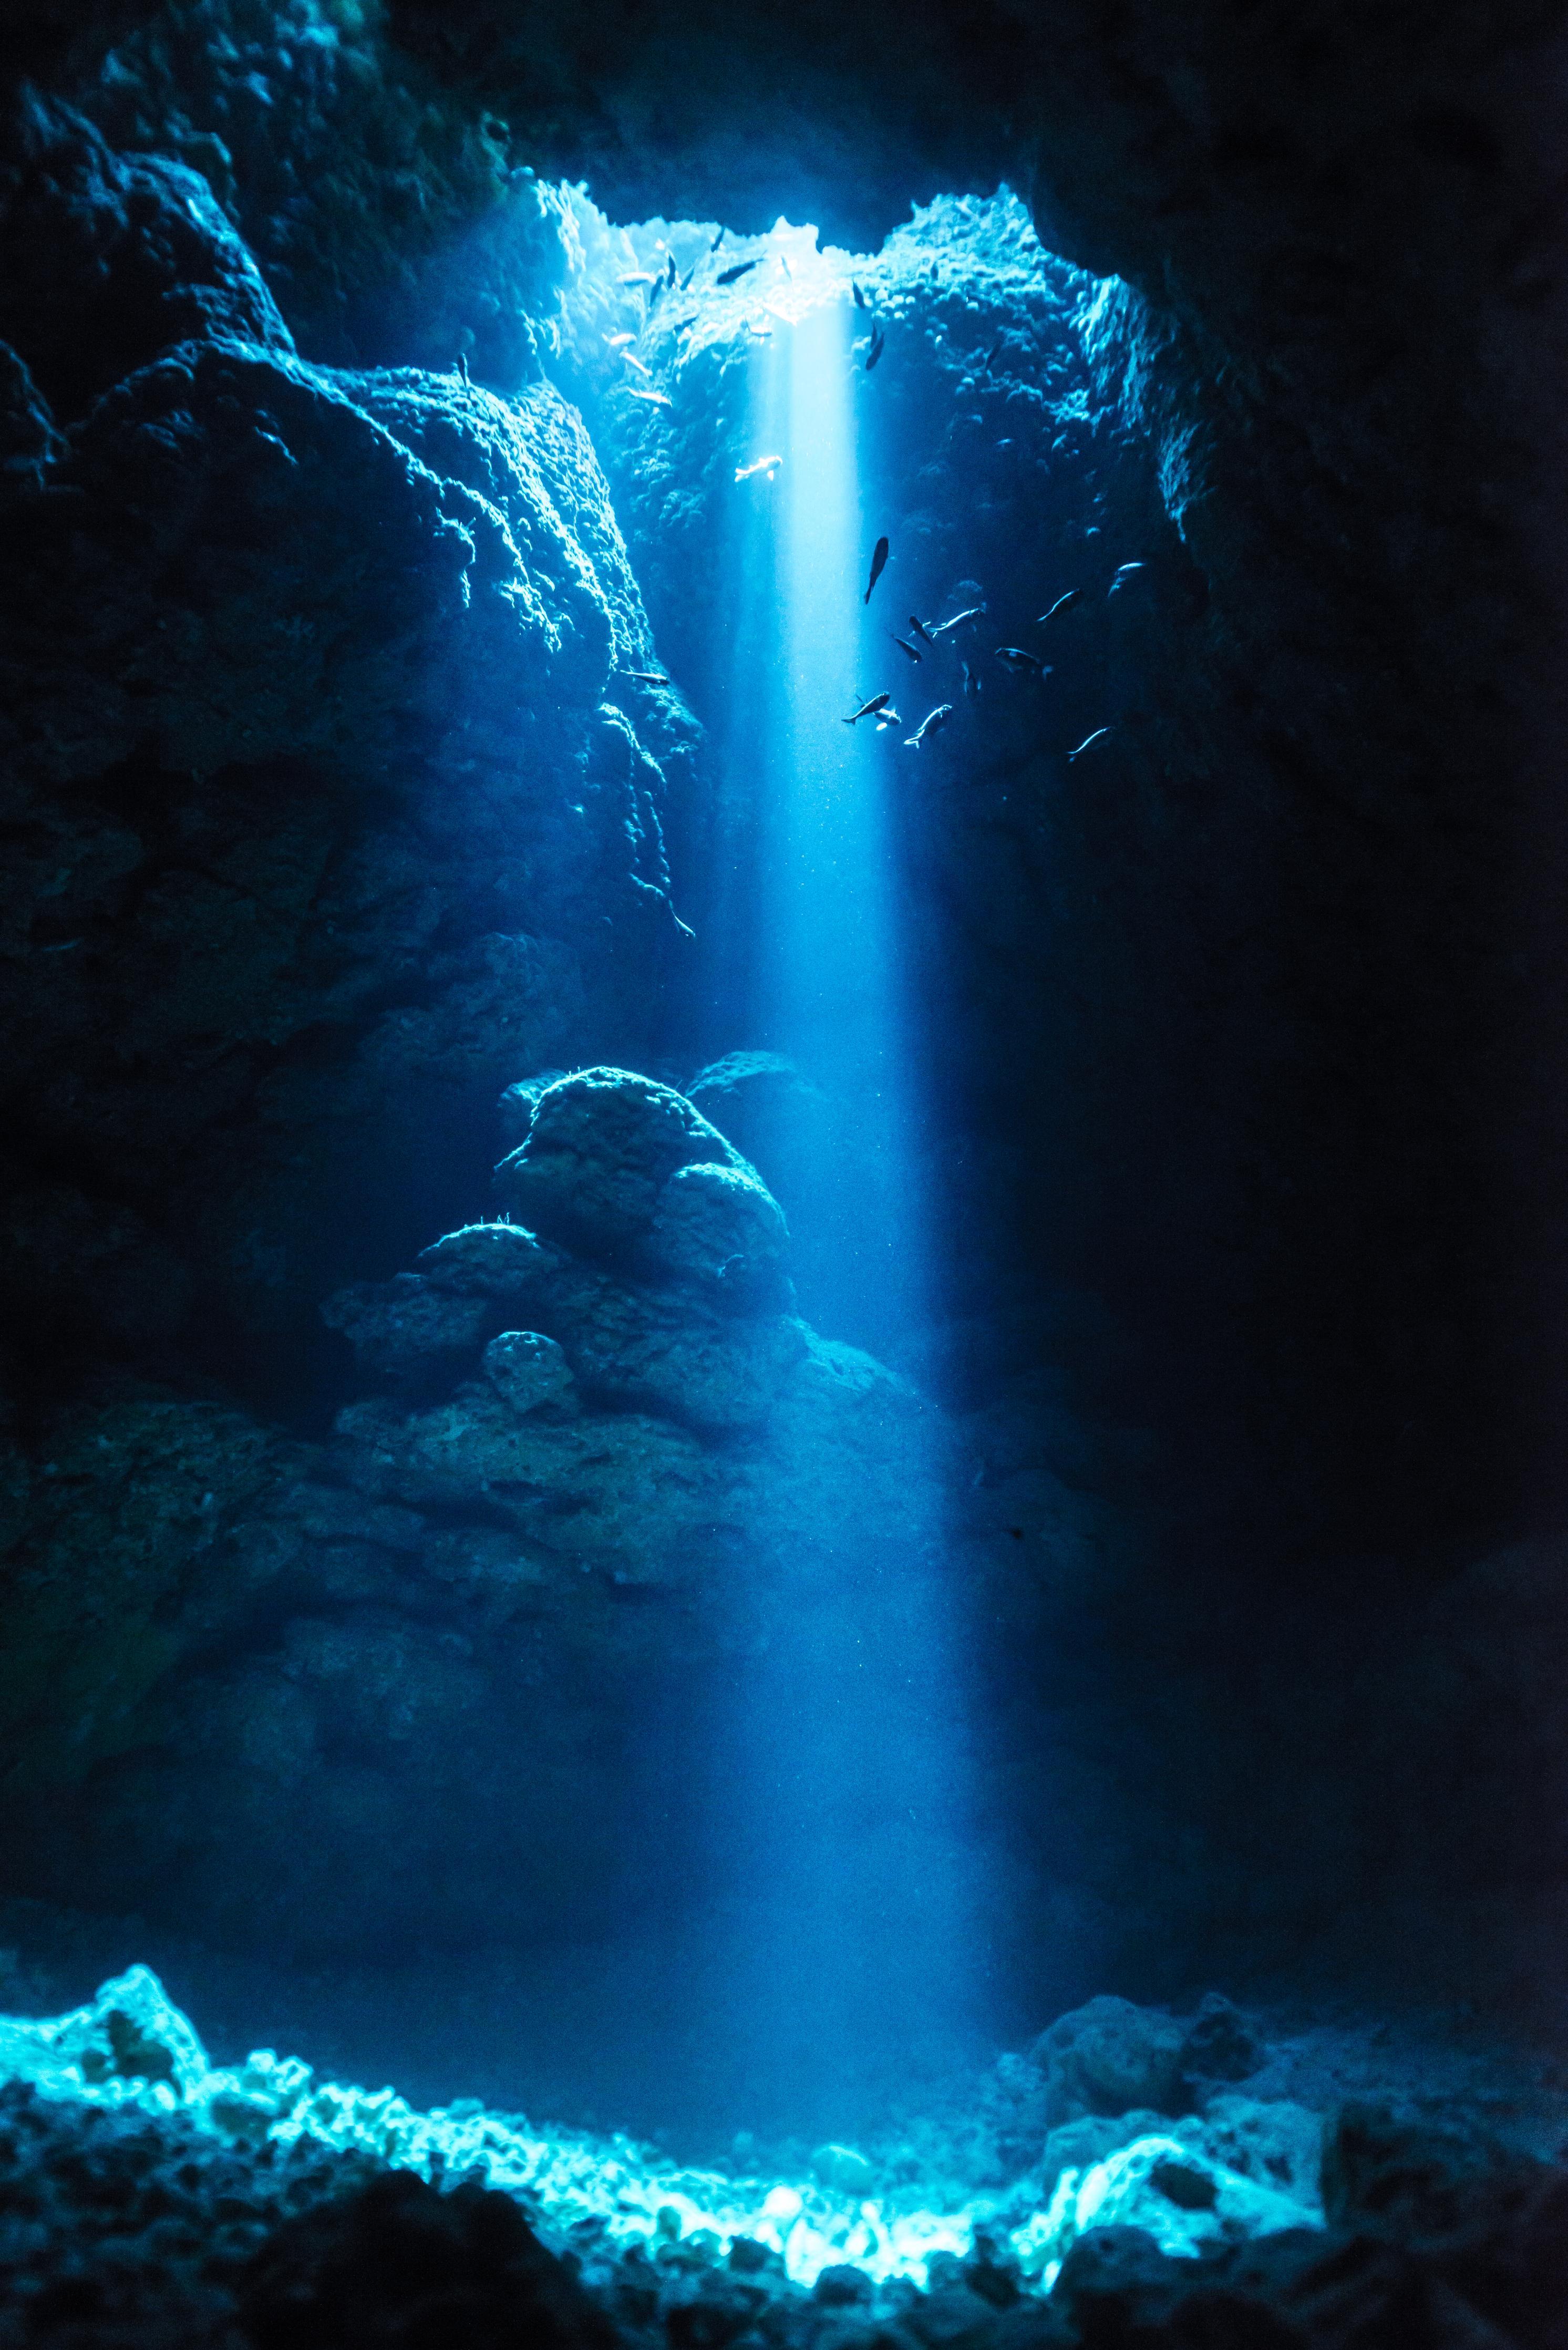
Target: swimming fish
[879,565]
[1021,664]
[718,241]
[462,365]
[878,339]
[860,301]
[633,361]
[658,399]
[905,646]
[1083,745]
[647,676]
[932,723]
[728,277]
[620,342]
[1064,603]
[669,272]
[972,679]
[886,718]
[687,279]
[990,354]
[638,278]
[768,465]
[943,627]
[922,630]
[1123,576]
[784,265]
[869,709]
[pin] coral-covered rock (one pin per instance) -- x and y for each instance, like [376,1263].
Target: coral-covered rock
[1111,2056]
[407,1328]
[600,1149]
[717,1226]
[529,1372]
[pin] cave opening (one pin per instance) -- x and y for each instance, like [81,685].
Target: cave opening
[779,1222]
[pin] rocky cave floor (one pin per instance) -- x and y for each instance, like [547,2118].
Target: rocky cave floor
[146,2200]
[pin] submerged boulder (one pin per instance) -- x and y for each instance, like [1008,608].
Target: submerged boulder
[600,1150]
[1110,2056]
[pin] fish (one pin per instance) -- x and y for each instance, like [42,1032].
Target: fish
[638,278]
[728,277]
[869,709]
[1124,575]
[905,646]
[759,334]
[655,294]
[784,265]
[879,565]
[768,465]
[1021,663]
[689,276]
[878,340]
[1083,745]
[886,718]
[669,272]
[462,365]
[932,723]
[943,627]
[990,355]
[971,678]
[657,399]
[620,342]
[922,630]
[633,361]
[860,301]
[647,676]
[718,241]
[1062,604]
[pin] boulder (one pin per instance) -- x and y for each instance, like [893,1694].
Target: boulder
[408,1330]
[600,1149]
[718,1228]
[529,1372]
[672,1352]
[499,1261]
[1109,2056]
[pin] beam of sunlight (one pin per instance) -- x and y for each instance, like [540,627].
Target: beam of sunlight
[842,1775]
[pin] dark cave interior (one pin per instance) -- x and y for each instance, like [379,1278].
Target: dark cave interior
[485,1604]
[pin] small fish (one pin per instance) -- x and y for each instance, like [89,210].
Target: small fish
[633,361]
[879,341]
[1062,604]
[1021,664]
[860,301]
[689,276]
[669,272]
[922,630]
[655,295]
[647,676]
[759,334]
[886,718]
[462,365]
[620,342]
[879,565]
[638,278]
[768,465]
[990,358]
[728,277]
[784,265]
[1123,576]
[932,723]
[718,241]
[971,678]
[905,646]
[943,627]
[1083,745]
[869,709]
[655,398]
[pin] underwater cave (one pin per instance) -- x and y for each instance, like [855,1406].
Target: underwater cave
[784,1257]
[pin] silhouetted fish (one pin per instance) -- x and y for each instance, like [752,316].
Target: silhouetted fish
[718,241]
[942,627]
[879,341]
[670,271]
[886,718]
[932,723]
[905,646]
[922,630]
[647,676]
[784,265]
[879,565]
[1083,745]
[687,279]
[728,277]
[1021,663]
[1063,603]
[972,684]
[869,709]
